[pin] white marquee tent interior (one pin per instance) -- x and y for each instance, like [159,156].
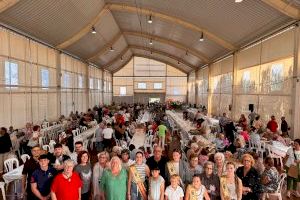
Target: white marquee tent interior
[69,55]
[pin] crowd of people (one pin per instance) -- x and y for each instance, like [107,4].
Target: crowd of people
[168,170]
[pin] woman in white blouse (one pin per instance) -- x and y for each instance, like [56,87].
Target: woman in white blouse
[103,159]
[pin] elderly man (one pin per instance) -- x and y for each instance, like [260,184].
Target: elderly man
[66,185]
[41,179]
[211,181]
[157,160]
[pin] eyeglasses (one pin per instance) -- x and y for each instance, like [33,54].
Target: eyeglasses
[209,168]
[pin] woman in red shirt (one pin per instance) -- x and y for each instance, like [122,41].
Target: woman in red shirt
[66,185]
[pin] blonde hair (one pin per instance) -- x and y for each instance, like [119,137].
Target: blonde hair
[176,177]
[116,158]
[246,155]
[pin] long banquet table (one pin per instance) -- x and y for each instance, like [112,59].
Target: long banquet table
[185,127]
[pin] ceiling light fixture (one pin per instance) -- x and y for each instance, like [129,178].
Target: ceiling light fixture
[111,49]
[150,19]
[201,37]
[93,30]
[238,1]
[150,42]
[121,57]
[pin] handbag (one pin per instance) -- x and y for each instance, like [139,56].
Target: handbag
[293,170]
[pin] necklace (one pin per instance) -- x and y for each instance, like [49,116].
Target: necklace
[68,177]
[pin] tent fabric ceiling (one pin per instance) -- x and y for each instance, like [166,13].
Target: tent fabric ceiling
[55,22]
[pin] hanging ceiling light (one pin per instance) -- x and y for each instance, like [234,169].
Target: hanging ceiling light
[111,49]
[121,57]
[201,37]
[93,30]
[238,1]
[150,52]
[150,19]
[150,42]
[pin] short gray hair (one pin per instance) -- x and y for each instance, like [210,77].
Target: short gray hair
[207,163]
[218,154]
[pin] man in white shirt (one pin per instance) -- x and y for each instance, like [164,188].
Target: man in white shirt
[107,136]
[78,148]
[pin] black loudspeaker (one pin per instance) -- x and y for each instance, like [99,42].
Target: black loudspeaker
[251,107]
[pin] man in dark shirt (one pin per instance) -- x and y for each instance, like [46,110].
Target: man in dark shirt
[57,158]
[284,126]
[157,160]
[41,179]
[29,167]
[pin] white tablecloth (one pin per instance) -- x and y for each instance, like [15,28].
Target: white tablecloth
[138,138]
[86,134]
[185,127]
[278,148]
[13,175]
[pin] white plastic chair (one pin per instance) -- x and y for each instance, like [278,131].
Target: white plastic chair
[85,144]
[42,141]
[279,189]
[83,128]
[10,163]
[275,156]
[51,144]
[9,166]
[25,157]
[75,133]
[2,184]
[46,148]
[148,143]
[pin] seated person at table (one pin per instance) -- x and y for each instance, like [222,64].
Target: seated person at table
[270,177]
[57,158]
[277,137]
[84,120]
[221,142]
[41,179]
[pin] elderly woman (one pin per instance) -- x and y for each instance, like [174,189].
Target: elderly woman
[211,181]
[250,178]
[194,168]
[103,158]
[114,181]
[136,178]
[66,185]
[270,177]
[220,165]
